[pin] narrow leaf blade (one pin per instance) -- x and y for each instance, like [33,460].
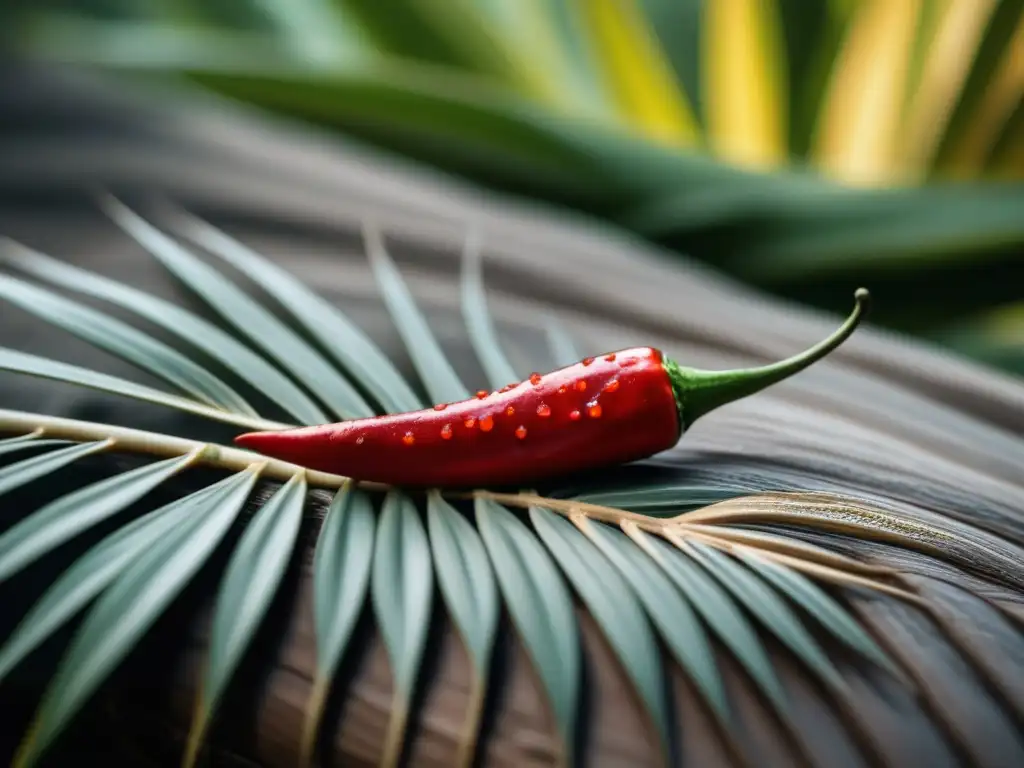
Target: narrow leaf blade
[402,589]
[615,608]
[93,571]
[251,319]
[249,585]
[342,338]
[541,608]
[123,340]
[128,608]
[341,579]
[66,517]
[479,323]
[206,336]
[436,372]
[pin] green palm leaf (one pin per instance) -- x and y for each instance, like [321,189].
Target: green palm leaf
[188,326]
[478,321]
[769,608]
[251,319]
[94,571]
[672,615]
[15,475]
[722,615]
[617,610]
[402,590]
[123,340]
[128,609]
[338,335]
[541,609]
[341,579]
[32,365]
[69,515]
[467,583]
[246,591]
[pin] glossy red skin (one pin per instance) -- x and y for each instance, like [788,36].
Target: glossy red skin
[638,418]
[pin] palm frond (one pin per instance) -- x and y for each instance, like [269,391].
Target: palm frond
[698,579]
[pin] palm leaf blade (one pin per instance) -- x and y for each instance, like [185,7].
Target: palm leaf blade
[541,608]
[478,319]
[402,588]
[615,608]
[437,374]
[92,572]
[127,610]
[16,475]
[719,611]
[674,617]
[823,608]
[41,367]
[769,608]
[249,317]
[344,340]
[467,584]
[341,578]
[69,515]
[206,336]
[124,341]
[252,578]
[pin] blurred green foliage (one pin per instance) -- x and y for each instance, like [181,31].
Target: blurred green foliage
[804,147]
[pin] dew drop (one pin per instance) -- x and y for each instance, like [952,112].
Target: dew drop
[574,415]
[535,379]
[628,362]
[581,385]
[610,358]
[486,424]
[408,438]
[469,423]
[512,386]
[481,394]
[510,411]
[521,432]
[440,406]
[587,360]
[360,440]
[543,410]
[446,432]
[562,390]
[594,410]
[612,386]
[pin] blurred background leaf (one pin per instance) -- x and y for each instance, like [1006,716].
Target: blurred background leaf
[801,147]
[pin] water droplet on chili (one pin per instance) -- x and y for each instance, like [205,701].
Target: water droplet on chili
[612,386]
[486,424]
[535,378]
[446,432]
[408,438]
[588,360]
[543,410]
[610,358]
[440,406]
[594,410]
[521,432]
[481,394]
[469,423]
[360,440]
[581,385]
[510,411]
[574,415]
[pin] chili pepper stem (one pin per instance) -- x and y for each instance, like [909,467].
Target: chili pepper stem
[698,392]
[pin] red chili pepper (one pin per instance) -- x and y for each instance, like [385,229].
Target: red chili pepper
[605,410]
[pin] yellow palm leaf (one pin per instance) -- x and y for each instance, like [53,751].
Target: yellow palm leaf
[944,72]
[745,98]
[857,132]
[636,71]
